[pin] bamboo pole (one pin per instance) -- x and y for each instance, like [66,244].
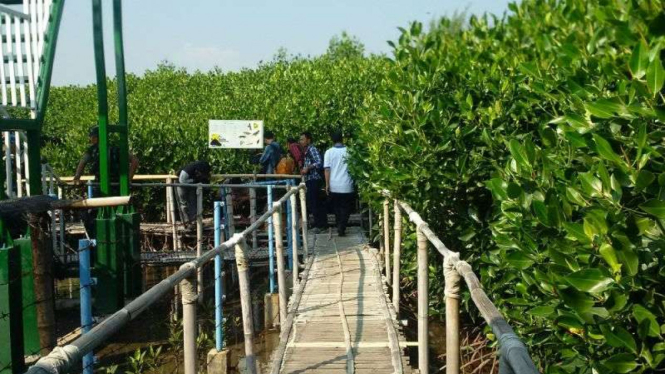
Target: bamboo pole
[396,256]
[168,201]
[386,238]
[229,212]
[42,262]
[246,303]
[172,207]
[452,291]
[189,297]
[294,238]
[199,238]
[252,216]
[279,253]
[423,303]
[303,216]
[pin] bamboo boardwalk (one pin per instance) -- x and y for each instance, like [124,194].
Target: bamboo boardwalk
[340,319]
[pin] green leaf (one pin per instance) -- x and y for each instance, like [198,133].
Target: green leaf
[654,207]
[576,232]
[519,260]
[589,280]
[629,259]
[639,59]
[576,300]
[621,363]
[514,190]
[595,223]
[575,197]
[540,209]
[605,150]
[643,314]
[603,108]
[609,255]
[591,185]
[655,76]
[644,179]
[542,311]
[616,302]
[578,122]
[518,153]
[619,338]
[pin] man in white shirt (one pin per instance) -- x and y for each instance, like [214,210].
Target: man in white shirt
[339,185]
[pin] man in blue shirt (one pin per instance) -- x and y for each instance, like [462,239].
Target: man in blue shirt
[271,155]
[311,172]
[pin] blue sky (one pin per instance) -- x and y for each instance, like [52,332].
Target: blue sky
[201,34]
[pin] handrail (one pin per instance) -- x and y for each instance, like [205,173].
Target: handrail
[62,358]
[138,177]
[514,355]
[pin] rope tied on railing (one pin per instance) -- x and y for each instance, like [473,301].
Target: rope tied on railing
[451,276]
[58,359]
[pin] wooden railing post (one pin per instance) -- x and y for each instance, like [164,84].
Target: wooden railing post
[294,238]
[452,292]
[246,303]
[305,219]
[396,256]
[279,253]
[252,216]
[199,237]
[189,297]
[229,212]
[386,238]
[423,302]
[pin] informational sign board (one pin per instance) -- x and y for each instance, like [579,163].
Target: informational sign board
[235,134]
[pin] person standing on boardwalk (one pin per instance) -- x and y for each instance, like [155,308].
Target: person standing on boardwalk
[339,184]
[192,173]
[311,173]
[271,154]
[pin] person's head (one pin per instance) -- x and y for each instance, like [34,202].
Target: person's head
[204,171]
[269,137]
[93,134]
[337,137]
[305,139]
[291,140]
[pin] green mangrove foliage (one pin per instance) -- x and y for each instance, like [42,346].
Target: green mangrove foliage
[534,144]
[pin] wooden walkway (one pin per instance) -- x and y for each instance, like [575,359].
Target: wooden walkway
[340,319]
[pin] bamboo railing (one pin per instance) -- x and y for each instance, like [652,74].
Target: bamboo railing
[514,357]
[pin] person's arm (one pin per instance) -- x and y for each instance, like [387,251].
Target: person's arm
[327,172]
[265,157]
[81,167]
[318,162]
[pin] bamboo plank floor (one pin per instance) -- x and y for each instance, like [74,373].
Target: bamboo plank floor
[351,336]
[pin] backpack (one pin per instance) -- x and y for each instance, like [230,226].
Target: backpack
[286,165]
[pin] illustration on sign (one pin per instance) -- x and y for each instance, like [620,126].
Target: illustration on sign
[235,134]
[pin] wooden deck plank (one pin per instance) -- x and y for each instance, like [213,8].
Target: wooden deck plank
[316,342]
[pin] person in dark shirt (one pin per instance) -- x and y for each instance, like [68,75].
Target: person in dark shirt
[271,155]
[91,157]
[192,173]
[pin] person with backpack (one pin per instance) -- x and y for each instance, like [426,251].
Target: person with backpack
[311,174]
[271,154]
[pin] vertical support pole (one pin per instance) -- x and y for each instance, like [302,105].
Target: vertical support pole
[86,299]
[289,238]
[61,214]
[199,237]
[229,213]
[102,103]
[294,236]
[90,194]
[303,216]
[271,247]
[168,201]
[371,224]
[423,303]
[9,177]
[122,98]
[386,238]
[43,177]
[246,304]
[452,291]
[252,216]
[396,256]
[189,297]
[172,209]
[219,292]
[279,246]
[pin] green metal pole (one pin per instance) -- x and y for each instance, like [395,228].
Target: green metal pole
[102,105]
[122,97]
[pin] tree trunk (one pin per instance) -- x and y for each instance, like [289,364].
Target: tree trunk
[42,262]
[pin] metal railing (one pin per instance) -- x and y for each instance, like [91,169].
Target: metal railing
[514,357]
[63,358]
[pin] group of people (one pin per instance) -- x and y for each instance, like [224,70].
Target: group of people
[329,171]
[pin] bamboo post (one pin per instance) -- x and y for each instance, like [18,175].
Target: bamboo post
[452,291]
[229,212]
[371,223]
[168,201]
[397,251]
[42,264]
[246,303]
[199,237]
[172,209]
[252,216]
[294,236]
[423,302]
[279,249]
[189,297]
[303,214]
[386,238]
